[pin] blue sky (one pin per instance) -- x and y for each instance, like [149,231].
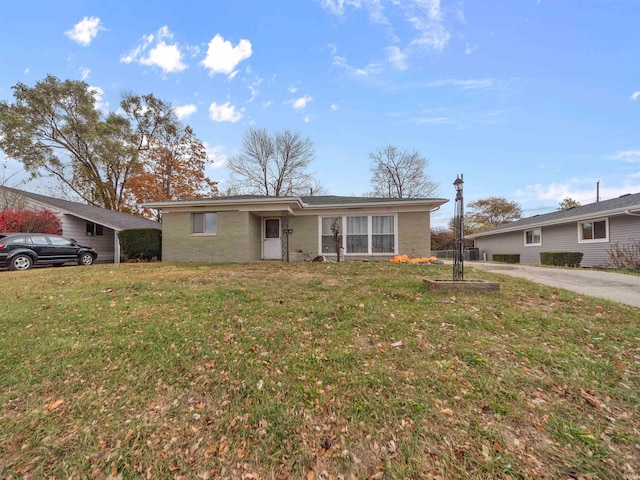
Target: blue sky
[530,100]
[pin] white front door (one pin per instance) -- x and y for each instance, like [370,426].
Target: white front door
[272,242]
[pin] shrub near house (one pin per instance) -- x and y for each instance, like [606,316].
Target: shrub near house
[30,221]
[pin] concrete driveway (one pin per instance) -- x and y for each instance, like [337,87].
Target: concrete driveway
[611,286]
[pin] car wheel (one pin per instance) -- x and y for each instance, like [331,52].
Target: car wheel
[21,262]
[85,259]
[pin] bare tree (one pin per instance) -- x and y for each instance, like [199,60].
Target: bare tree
[273,164]
[400,174]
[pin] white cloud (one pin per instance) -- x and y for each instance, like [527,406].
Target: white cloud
[157,50]
[223,57]
[185,111]
[334,107]
[308,118]
[26,71]
[253,88]
[635,95]
[397,57]
[292,89]
[337,7]
[371,69]
[84,73]
[428,22]
[98,99]
[224,113]
[581,189]
[267,103]
[627,156]
[472,84]
[215,155]
[300,103]
[430,34]
[85,30]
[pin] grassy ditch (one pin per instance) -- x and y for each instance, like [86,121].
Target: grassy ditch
[314,371]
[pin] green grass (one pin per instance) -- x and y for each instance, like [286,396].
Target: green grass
[288,371]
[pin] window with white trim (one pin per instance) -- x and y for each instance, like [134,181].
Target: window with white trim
[361,234]
[383,234]
[204,223]
[357,235]
[533,237]
[593,231]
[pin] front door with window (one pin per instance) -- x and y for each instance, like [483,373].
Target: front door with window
[272,242]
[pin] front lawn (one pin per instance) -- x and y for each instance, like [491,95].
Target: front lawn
[311,371]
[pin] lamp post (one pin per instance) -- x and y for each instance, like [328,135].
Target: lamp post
[458,222]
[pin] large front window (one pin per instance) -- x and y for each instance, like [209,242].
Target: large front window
[204,223]
[593,231]
[363,234]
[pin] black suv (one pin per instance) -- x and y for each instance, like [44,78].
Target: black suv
[21,251]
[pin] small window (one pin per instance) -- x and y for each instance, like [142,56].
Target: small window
[204,223]
[593,231]
[94,230]
[533,237]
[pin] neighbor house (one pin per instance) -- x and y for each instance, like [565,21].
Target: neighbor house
[90,226]
[592,229]
[249,228]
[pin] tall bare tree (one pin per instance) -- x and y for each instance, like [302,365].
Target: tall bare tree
[400,174]
[275,165]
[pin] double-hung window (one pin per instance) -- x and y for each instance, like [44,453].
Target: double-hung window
[383,234]
[533,237]
[204,223]
[357,235]
[593,231]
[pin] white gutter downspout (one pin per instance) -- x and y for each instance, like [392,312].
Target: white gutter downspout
[627,212]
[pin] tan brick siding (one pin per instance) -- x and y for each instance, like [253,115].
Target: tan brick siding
[234,241]
[414,235]
[305,236]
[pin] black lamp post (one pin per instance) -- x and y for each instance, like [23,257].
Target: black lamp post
[458,222]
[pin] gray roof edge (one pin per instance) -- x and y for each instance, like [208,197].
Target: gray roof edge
[526,223]
[66,208]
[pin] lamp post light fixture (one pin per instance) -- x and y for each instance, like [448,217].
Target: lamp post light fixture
[458,222]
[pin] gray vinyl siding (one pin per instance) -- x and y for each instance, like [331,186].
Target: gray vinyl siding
[563,238]
[76,228]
